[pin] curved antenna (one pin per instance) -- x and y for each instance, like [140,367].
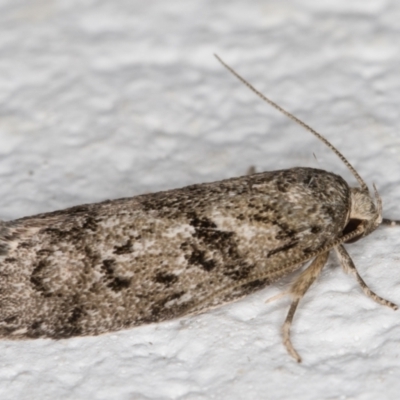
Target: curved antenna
[295,119]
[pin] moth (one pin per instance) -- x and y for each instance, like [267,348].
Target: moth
[102,267]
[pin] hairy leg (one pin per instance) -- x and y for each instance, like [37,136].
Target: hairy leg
[297,291]
[350,268]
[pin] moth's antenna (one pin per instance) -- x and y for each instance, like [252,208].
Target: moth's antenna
[292,117]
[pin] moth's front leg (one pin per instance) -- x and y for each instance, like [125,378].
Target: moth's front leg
[349,267]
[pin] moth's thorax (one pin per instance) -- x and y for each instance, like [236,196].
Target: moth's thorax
[364,209]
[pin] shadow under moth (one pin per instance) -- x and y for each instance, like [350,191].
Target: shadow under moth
[117,264]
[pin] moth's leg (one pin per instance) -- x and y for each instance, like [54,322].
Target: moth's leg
[298,289]
[350,268]
[277,296]
[390,222]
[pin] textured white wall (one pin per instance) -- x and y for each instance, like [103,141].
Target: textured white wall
[106,99]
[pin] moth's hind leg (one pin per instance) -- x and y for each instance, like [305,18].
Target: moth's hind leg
[350,268]
[298,289]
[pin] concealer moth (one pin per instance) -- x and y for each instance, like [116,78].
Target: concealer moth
[98,268]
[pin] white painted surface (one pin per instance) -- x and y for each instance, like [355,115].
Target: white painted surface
[106,99]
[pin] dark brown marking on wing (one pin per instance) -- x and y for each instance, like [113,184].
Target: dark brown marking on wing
[124,249]
[282,248]
[116,283]
[37,278]
[165,278]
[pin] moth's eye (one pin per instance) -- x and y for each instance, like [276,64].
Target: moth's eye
[351,226]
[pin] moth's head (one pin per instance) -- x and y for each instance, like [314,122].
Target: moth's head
[365,212]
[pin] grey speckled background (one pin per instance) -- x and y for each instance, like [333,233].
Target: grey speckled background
[106,99]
